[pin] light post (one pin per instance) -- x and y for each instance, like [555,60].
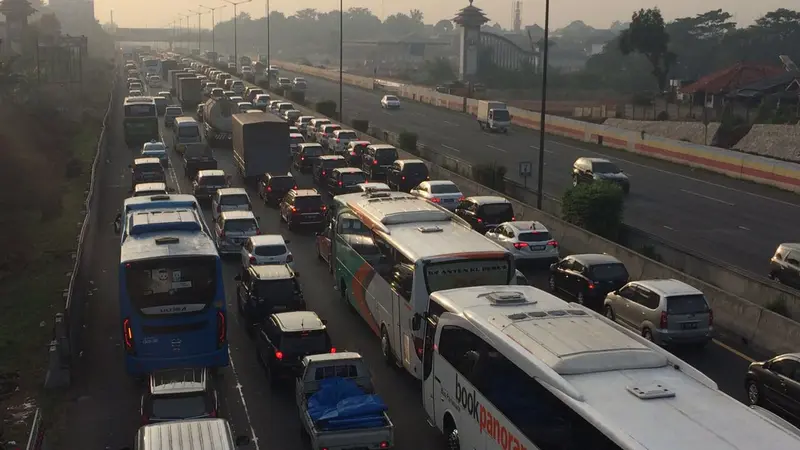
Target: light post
[269,47]
[199,33]
[341,57]
[543,112]
[213,25]
[235,42]
[187,29]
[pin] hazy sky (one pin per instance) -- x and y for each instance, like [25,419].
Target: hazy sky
[598,13]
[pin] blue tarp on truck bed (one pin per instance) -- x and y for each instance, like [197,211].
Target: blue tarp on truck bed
[340,404]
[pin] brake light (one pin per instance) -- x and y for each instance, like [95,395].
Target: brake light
[289,258]
[333,349]
[323,173]
[338,140]
[269,188]
[222,329]
[403,178]
[461,199]
[553,243]
[352,153]
[323,208]
[222,234]
[513,218]
[664,322]
[384,444]
[480,220]
[258,231]
[293,209]
[591,285]
[127,335]
[519,245]
[435,200]
[294,188]
[302,158]
[710,317]
[340,184]
[252,260]
[374,162]
[279,354]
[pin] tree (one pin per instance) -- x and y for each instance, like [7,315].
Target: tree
[443,26]
[647,36]
[307,14]
[416,15]
[10,80]
[596,207]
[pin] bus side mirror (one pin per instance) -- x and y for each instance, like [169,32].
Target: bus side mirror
[416,322]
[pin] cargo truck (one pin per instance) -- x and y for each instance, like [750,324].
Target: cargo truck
[173,80]
[493,116]
[190,92]
[212,57]
[260,145]
[166,66]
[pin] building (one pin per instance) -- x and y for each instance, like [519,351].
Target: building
[75,16]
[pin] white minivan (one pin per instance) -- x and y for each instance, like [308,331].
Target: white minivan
[186,131]
[202,434]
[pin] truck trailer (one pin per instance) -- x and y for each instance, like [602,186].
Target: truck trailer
[260,144]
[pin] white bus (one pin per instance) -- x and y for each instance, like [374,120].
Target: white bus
[513,368]
[390,250]
[151,66]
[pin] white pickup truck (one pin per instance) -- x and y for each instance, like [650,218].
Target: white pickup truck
[372,431]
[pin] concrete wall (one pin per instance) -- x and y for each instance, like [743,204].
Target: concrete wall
[774,141]
[784,175]
[694,132]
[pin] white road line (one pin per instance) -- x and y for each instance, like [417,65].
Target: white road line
[496,148]
[244,402]
[536,147]
[451,148]
[707,197]
[669,228]
[450,123]
[744,228]
[685,177]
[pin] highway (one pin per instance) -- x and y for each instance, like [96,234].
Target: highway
[734,221]
[104,413]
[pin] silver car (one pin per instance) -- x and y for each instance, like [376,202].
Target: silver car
[229,199]
[667,312]
[526,240]
[233,228]
[444,193]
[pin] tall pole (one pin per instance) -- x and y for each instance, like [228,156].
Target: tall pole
[341,57]
[235,33]
[269,48]
[213,26]
[543,112]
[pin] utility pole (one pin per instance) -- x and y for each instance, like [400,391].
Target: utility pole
[199,13]
[213,26]
[235,37]
[341,58]
[543,112]
[269,48]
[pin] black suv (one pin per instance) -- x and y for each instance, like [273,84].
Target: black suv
[485,212]
[588,277]
[285,339]
[775,384]
[303,207]
[406,174]
[377,159]
[268,289]
[273,187]
[589,170]
[324,165]
[345,180]
[306,155]
[179,394]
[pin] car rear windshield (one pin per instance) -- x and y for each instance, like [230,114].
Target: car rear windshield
[386,155]
[391,98]
[613,271]
[330,128]
[534,236]
[687,304]
[312,342]
[234,200]
[354,178]
[417,169]
[501,211]
[333,163]
[241,225]
[172,111]
[280,292]
[148,168]
[605,167]
[182,406]
[296,140]
[312,151]
[281,182]
[171,281]
[445,189]
[310,202]
[188,131]
[270,250]
[214,180]
[348,135]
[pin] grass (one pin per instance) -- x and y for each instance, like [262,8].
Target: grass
[29,300]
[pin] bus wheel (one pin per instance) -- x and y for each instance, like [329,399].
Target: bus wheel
[386,348]
[452,440]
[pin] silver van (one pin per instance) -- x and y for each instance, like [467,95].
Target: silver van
[186,131]
[199,434]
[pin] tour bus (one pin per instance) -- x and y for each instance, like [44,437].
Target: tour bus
[171,291]
[514,367]
[140,121]
[411,248]
[151,66]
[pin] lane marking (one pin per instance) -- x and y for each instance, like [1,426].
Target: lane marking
[734,351]
[744,228]
[669,228]
[496,148]
[685,177]
[451,148]
[707,197]
[244,402]
[450,123]
[536,147]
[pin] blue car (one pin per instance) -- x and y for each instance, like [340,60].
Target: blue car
[154,149]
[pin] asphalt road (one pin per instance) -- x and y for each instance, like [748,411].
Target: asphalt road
[105,412]
[734,221]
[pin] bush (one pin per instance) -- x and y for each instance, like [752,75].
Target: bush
[326,108]
[490,175]
[361,125]
[297,97]
[408,141]
[596,207]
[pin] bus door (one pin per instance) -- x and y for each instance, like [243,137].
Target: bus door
[402,314]
[430,381]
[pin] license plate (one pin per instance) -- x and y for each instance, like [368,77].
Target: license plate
[538,248]
[689,326]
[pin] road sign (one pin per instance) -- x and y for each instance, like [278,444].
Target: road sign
[525,169]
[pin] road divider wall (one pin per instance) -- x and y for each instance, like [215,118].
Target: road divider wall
[758,169]
[756,325]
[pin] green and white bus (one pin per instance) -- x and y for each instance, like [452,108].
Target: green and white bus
[140,120]
[408,249]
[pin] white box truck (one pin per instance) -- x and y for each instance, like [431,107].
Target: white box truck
[493,116]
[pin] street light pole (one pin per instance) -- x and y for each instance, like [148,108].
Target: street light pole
[269,47]
[341,58]
[213,25]
[235,37]
[187,31]
[199,13]
[543,112]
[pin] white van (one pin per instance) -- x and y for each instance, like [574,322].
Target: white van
[186,131]
[205,434]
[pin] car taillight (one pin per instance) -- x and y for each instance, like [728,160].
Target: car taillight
[384,444]
[710,317]
[294,188]
[519,245]
[279,355]
[323,173]
[352,153]
[222,329]
[258,231]
[127,335]
[293,209]
[302,158]
[323,208]
[289,258]
[403,178]
[461,199]
[590,285]
[553,243]
[269,188]
[480,220]
[435,200]
[664,322]
[514,218]
[333,349]
[374,162]
[252,260]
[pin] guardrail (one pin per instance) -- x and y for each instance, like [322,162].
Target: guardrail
[36,435]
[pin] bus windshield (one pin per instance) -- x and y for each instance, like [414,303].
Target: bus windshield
[180,281]
[467,273]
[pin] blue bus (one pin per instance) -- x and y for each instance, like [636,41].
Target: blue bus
[171,291]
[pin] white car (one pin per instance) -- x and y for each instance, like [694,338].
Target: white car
[266,249]
[526,240]
[135,93]
[390,102]
[229,199]
[154,81]
[236,99]
[338,140]
[444,193]
[244,106]
[373,187]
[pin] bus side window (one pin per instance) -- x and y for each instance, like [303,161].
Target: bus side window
[460,348]
[402,280]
